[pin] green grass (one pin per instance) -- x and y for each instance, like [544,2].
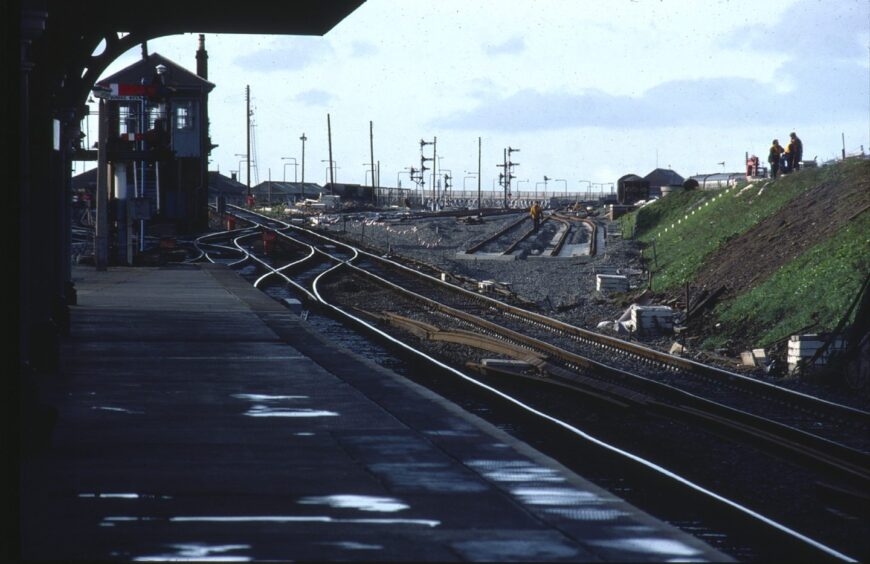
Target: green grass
[817,287]
[814,289]
[687,227]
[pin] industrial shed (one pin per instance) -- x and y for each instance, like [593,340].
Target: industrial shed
[662,178]
[632,188]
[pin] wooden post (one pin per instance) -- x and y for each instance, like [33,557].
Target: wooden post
[478,175]
[687,298]
[372,159]
[329,137]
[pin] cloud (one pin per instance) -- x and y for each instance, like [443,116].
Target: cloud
[810,29]
[512,46]
[363,49]
[827,93]
[287,54]
[314,97]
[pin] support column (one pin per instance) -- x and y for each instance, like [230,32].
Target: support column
[101,237]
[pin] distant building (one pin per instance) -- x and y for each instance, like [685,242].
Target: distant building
[632,188]
[348,192]
[285,192]
[660,178]
[716,180]
[232,190]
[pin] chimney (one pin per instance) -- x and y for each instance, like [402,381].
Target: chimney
[144,50]
[202,59]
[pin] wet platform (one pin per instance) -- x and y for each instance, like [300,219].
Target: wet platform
[199,419]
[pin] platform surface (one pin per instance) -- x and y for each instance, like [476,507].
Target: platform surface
[191,426]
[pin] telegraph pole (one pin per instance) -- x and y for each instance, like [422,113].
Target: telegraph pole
[372,159]
[478,175]
[303,139]
[329,135]
[434,166]
[248,135]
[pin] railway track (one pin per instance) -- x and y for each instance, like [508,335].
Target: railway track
[560,228]
[829,437]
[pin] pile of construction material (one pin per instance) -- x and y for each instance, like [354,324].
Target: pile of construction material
[803,348]
[650,321]
[611,283]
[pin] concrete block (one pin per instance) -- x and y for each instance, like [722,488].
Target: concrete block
[804,347]
[652,320]
[608,283]
[747,358]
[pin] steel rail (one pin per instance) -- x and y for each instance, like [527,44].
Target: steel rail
[272,270]
[633,349]
[808,403]
[562,237]
[818,449]
[617,345]
[477,246]
[823,548]
[574,430]
[593,232]
[525,236]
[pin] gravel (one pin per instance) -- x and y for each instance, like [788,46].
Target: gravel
[561,287]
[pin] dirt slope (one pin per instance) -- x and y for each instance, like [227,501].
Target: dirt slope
[808,219]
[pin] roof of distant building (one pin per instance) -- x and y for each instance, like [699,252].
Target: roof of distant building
[287,188]
[630,178]
[664,177]
[713,176]
[144,70]
[217,182]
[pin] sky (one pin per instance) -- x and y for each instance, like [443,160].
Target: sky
[587,90]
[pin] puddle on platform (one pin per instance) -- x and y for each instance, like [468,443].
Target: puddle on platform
[118,409]
[266,398]
[517,550]
[451,433]
[266,411]
[265,407]
[123,496]
[658,546]
[299,519]
[555,496]
[361,502]
[196,552]
[350,545]
[587,513]
[515,471]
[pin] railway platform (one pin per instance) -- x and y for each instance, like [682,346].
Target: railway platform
[198,419]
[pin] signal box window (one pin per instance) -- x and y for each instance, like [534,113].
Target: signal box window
[183,117]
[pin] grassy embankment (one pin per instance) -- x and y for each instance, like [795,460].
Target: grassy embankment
[815,288]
